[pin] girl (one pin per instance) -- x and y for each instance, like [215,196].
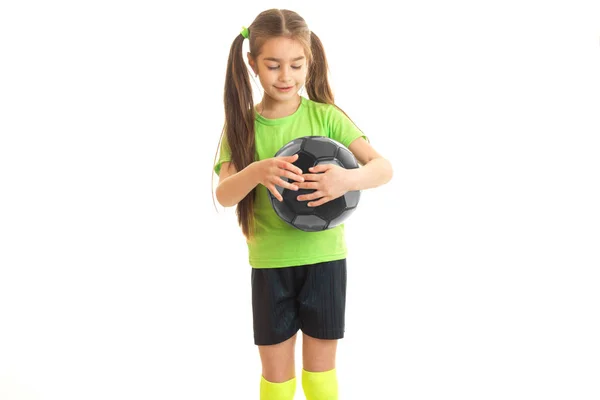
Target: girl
[298,278]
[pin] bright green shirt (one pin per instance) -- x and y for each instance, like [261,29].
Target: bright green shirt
[277,244]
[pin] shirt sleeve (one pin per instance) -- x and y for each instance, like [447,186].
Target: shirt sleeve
[341,128]
[224,155]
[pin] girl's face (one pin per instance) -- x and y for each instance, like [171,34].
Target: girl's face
[281,68]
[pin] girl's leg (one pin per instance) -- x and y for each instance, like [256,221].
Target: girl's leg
[322,312]
[277,360]
[276,323]
[318,355]
[319,379]
[278,381]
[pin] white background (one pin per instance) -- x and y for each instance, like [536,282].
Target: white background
[473,274]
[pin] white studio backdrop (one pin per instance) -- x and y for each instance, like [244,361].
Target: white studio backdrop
[473,274]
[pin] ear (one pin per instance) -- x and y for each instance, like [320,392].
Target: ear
[251,62]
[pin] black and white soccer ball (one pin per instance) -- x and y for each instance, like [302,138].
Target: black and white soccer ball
[313,151]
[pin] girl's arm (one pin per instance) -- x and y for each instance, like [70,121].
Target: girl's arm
[233,185]
[375,171]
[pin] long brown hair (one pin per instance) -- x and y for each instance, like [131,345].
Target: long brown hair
[239,104]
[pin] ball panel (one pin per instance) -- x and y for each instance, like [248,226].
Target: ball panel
[329,161]
[304,161]
[352,198]
[298,207]
[320,146]
[331,209]
[340,219]
[283,210]
[290,149]
[310,223]
[347,159]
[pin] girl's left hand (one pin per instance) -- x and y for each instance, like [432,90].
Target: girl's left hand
[329,181]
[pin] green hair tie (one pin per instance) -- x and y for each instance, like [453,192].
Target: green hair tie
[245,32]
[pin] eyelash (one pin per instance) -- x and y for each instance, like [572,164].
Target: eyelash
[274,68]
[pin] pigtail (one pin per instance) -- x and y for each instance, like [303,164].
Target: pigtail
[239,125]
[317,82]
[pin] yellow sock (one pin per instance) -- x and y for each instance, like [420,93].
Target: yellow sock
[320,385]
[277,391]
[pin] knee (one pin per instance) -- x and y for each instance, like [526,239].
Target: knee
[278,369]
[320,385]
[278,375]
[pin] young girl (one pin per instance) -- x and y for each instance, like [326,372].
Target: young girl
[298,278]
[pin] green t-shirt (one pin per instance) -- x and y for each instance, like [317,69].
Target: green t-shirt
[277,244]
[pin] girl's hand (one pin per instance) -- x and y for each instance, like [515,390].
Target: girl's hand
[269,172]
[330,181]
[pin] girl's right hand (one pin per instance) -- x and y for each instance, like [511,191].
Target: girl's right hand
[269,172]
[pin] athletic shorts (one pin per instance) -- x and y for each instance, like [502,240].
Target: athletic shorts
[308,297]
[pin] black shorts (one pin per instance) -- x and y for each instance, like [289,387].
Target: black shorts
[308,297]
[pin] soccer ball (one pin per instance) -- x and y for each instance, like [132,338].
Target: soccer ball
[313,151]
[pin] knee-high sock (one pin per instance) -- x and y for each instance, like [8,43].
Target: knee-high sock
[277,391]
[320,385]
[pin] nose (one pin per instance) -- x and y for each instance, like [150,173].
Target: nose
[284,74]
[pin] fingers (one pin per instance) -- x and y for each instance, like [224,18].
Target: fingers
[286,163]
[308,185]
[319,202]
[280,182]
[320,168]
[291,175]
[275,193]
[290,167]
[284,184]
[312,177]
[310,196]
[291,158]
